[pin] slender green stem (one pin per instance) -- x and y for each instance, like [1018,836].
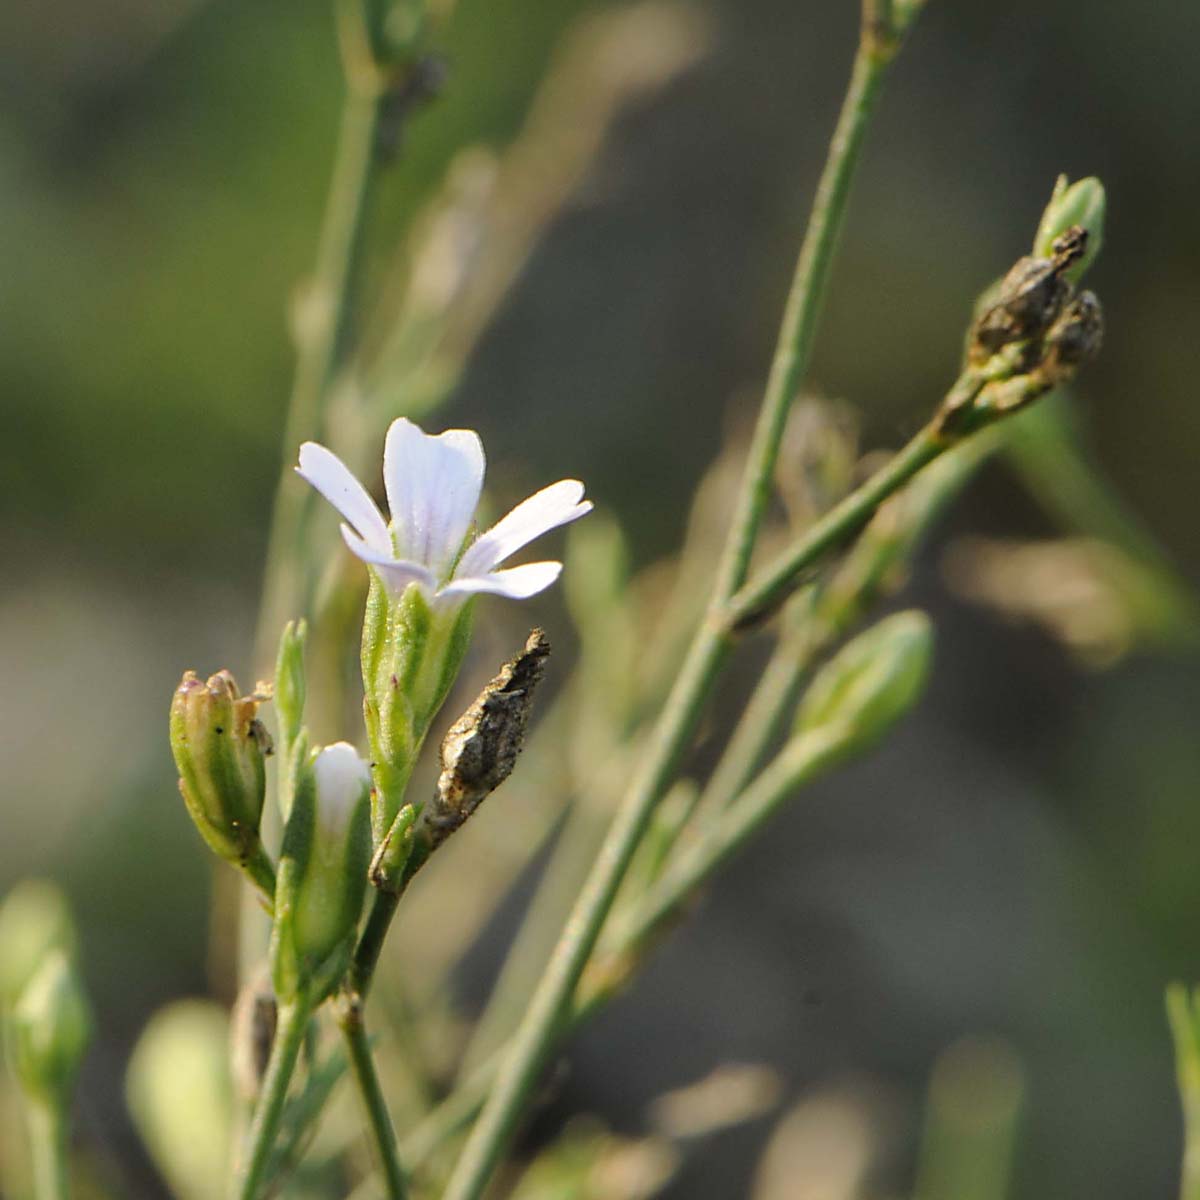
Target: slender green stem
[1183,1016]
[362,1064]
[779,579]
[839,607]
[48,1149]
[798,762]
[290,1029]
[801,314]
[370,943]
[323,326]
[536,1035]
[775,694]
[259,869]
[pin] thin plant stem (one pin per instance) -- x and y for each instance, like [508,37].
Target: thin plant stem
[322,338]
[536,1035]
[773,697]
[290,1029]
[759,598]
[323,331]
[1183,1008]
[799,761]
[362,1066]
[48,1149]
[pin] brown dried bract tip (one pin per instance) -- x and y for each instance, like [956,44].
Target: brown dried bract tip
[480,749]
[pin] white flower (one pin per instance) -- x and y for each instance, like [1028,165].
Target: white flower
[433,485]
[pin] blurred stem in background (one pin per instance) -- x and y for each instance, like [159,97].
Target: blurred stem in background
[971,1115]
[536,1035]
[1183,1015]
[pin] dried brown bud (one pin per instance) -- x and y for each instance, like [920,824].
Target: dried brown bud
[1074,338]
[480,749]
[1028,299]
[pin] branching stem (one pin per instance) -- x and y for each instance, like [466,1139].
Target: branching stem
[538,1032]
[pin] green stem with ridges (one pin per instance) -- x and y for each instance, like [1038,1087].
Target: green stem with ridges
[362,1066]
[290,1029]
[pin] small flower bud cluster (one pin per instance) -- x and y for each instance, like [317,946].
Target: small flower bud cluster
[1035,328]
[317,894]
[219,747]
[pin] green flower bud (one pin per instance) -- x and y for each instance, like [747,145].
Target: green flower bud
[322,874]
[411,654]
[1081,203]
[219,747]
[871,682]
[34,920]
[290,684]
[49,1030]
[178,1091]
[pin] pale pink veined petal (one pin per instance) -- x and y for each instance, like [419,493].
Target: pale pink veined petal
[396,573]
[433,486]
[517,583]
[545,510]
[333,479]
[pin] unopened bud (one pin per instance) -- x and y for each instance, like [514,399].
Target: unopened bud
[35,920]
[871,682]
[1028,300]
[1081,203]
[1074,337]
[322,873]
[219,747]
[411,655]
[290,681]
[50,1027]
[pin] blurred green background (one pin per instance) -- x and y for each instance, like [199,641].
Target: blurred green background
[1020,860]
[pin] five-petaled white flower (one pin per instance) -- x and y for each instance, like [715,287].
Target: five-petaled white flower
[433,485]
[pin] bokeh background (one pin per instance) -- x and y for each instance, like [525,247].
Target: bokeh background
[1020,861]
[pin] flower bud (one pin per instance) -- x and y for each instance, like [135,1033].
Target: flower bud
[50,1027]
[411,653]
[322,873]
[34,921]
[219,747]
[290,684]
[871,682]
[1081,203]
[178,1091]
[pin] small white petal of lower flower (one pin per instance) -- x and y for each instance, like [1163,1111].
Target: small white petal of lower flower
[555,505]
[343,781]
[333,479]
[517,583]
[433,485]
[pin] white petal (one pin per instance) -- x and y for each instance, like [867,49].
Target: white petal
[332,478]
[517,583]
[433,486]
[397,573]
[545,510]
